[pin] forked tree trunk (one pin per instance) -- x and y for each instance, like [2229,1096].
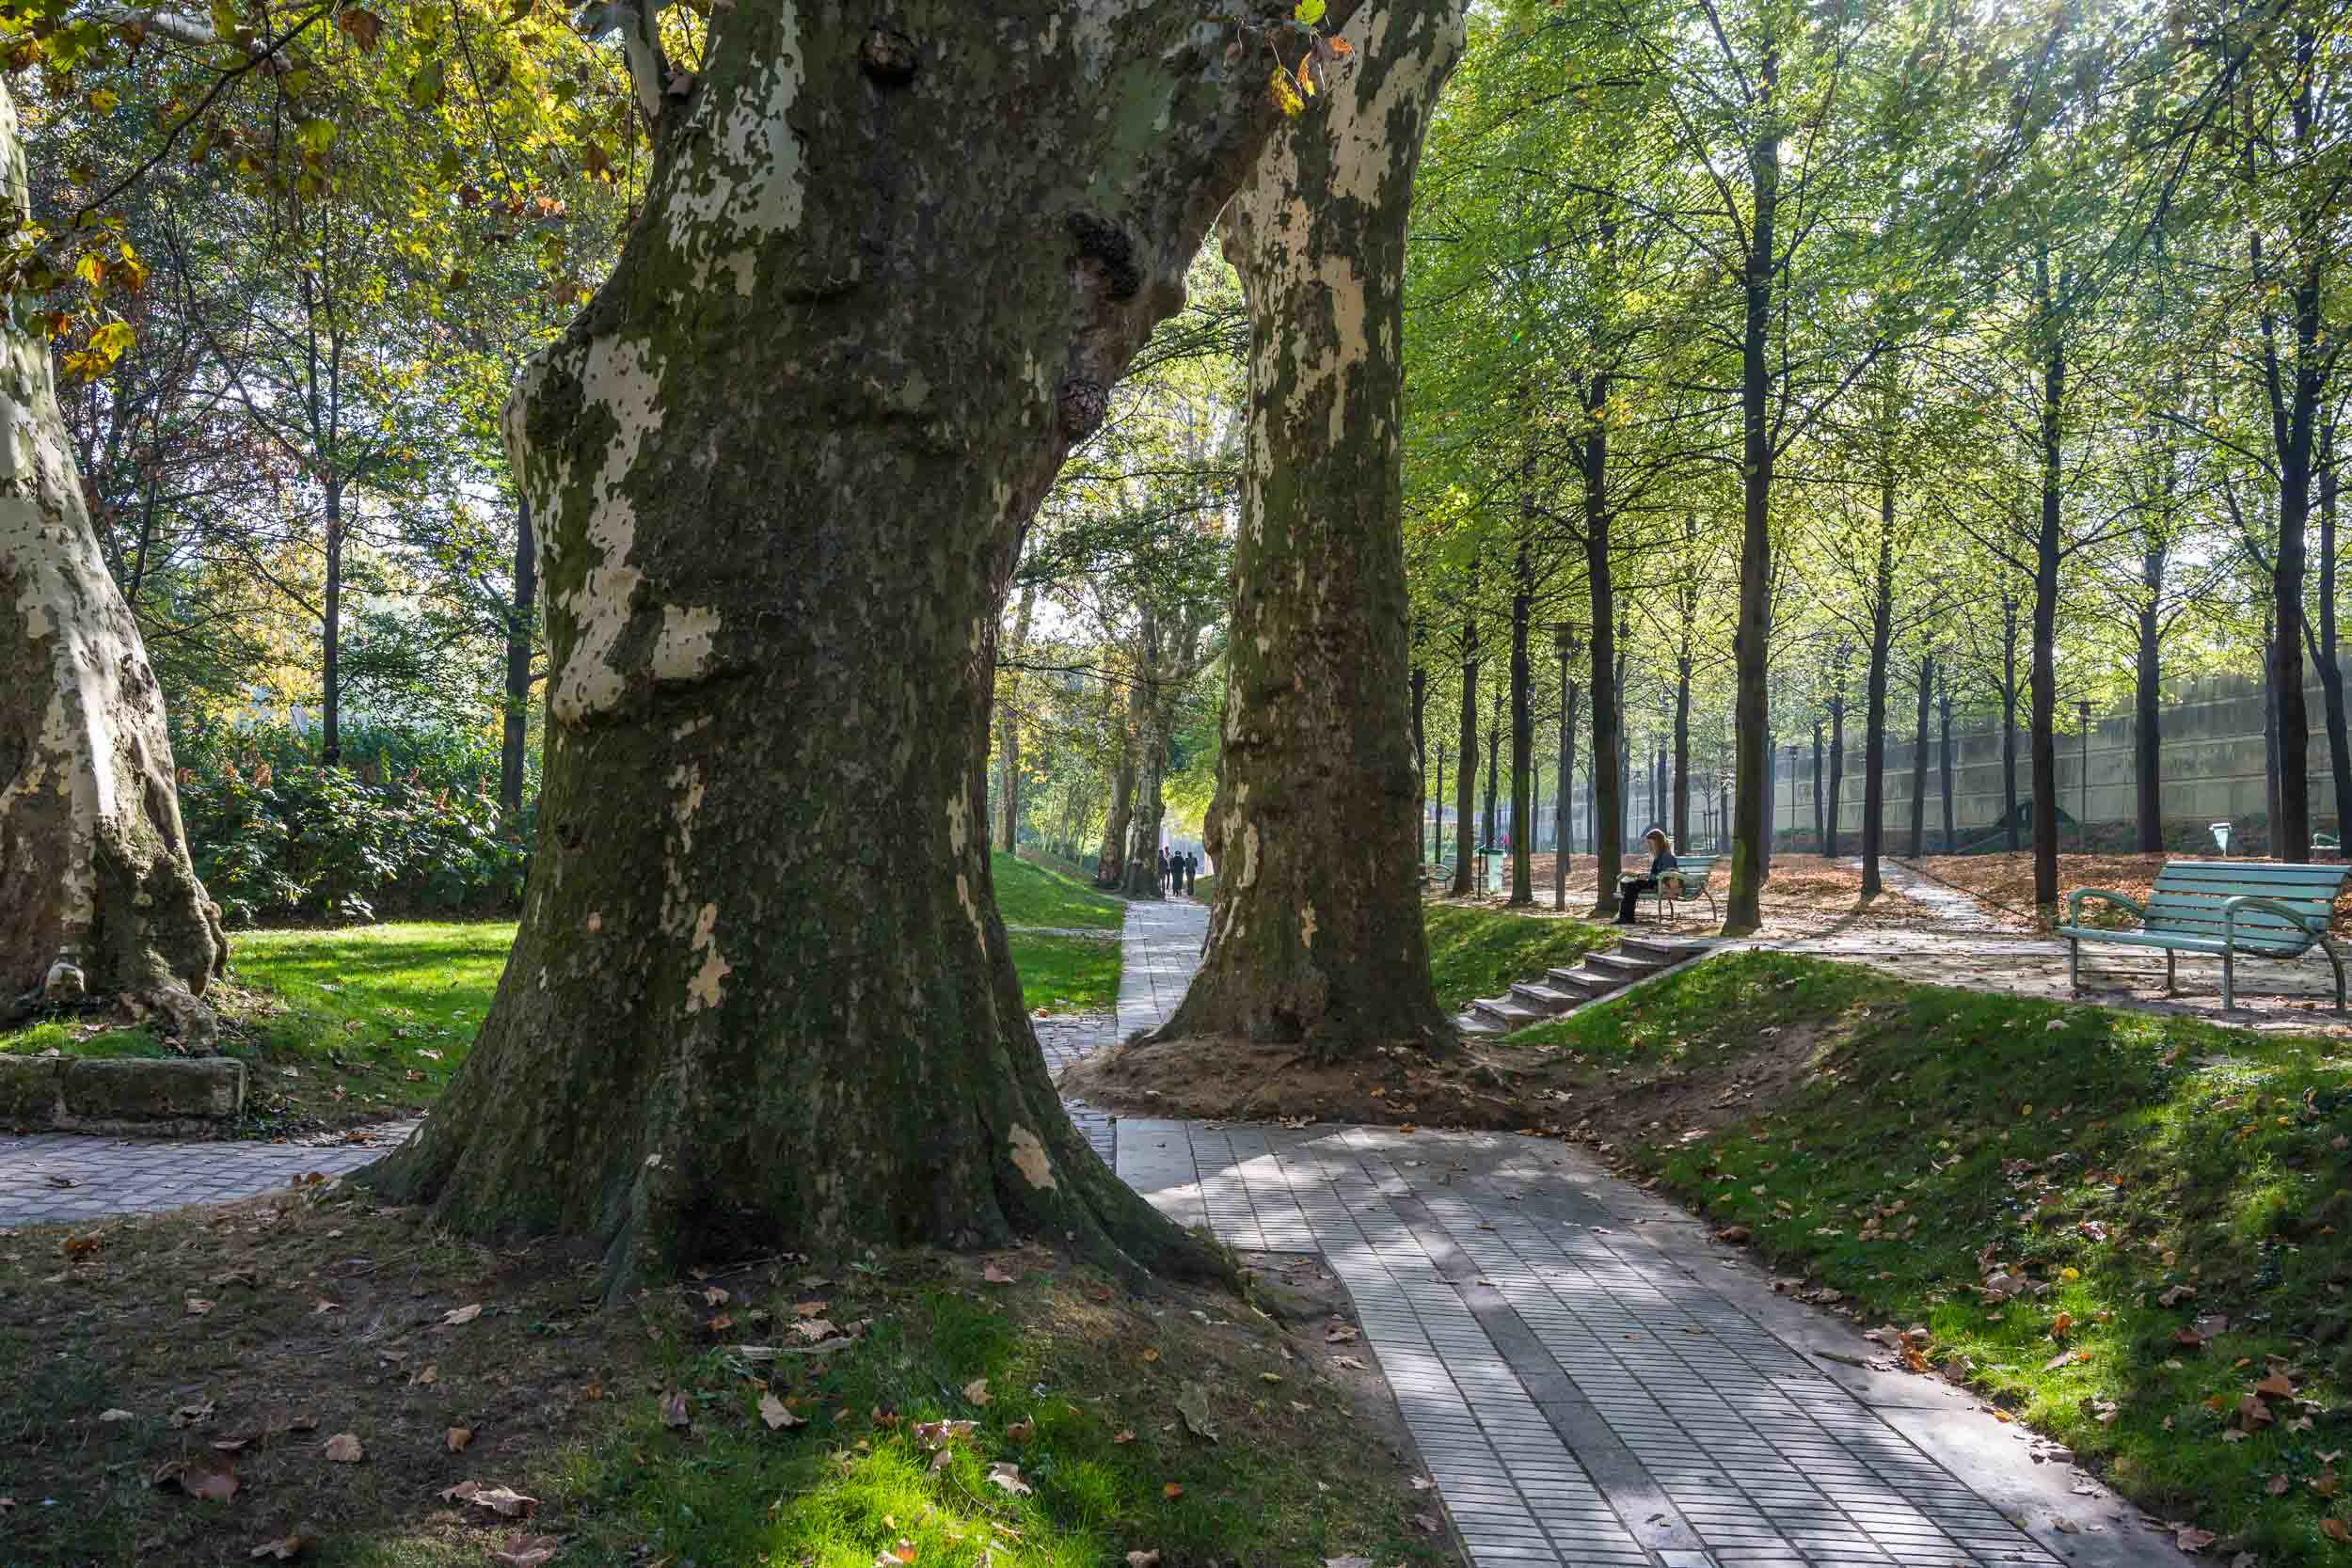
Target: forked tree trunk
[97,894]
[1110,863]
[879,284]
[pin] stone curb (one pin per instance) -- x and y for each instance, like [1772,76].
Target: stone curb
[73,1094]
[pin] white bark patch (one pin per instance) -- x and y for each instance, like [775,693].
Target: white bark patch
[1028,1158]
[682,652]
[747,179]
[702,989]
[619,377]
[1306,926]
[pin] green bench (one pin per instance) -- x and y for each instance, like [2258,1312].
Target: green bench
[1687,881]
[2262,909]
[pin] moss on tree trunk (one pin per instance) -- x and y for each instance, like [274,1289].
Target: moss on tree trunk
[760,996]
[1316,935]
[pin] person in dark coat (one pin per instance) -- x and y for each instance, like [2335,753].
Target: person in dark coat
[1192,866]
[1633,884]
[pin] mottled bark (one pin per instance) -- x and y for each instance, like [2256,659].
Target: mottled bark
[1494,774]
[878,286]
[522,617]
[97,895]
[1607,796]
[1110,863]
[1523,730]
[2329,659]
[1421,756]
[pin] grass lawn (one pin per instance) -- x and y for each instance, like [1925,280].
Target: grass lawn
[363,1021]
[1479,952]
[2132,1232]
[1031,894]
[186,1389]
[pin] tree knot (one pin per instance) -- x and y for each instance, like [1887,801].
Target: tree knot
[1081,406]
[1107,245]
[887,56]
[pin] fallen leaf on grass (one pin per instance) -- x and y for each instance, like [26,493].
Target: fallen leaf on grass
[2333,1529]
[976,1390]
[771,1411]
[1171,1492]
[458,1316]
[1143,1560]
[283,1549]
[2276,1485]
[995,1275]
[107,1416]
[1021,1432]
[196,1307]
[343,1449]
[525,1551]
[2190,1539]
[1347,1562]
[1342,1334]
[714,1295]
[1192,1404]
[815,1329]
[1122,1436]
[1008,1475]
[2276,1385]
[1348,1361]
[457,1437]
[497,1499]
[675,1412]
[216,1482]
[1425,1523]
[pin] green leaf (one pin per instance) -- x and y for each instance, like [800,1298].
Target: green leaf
[315,135]
[112,341]
[104,100]
[427,87]
[1309,11]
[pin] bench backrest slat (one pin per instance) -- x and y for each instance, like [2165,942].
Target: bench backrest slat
[2189,896]
[1694,870]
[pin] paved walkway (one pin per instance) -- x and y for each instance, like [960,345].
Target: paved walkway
[1589,1380]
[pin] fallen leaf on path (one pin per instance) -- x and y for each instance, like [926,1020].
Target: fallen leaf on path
[2191,1539]
[458,1316]
[457,1437]
[810,1309]
[1425,1523]
[343,1449]
[196,1307]
[1347,1361]
[1342,1334]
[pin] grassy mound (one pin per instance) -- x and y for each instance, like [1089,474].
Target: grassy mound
[2132,1232]
[1032,894]
[340,1373]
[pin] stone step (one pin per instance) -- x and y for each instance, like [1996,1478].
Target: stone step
[1508,1011]
[1470,1023]
[1625,966]
[1661,950]
[1545,998]
[1587,982]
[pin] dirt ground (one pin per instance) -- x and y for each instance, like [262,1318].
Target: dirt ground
[1804,896]
[2006,880]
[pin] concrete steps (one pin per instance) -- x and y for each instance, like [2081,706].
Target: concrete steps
[1545,999]
[1509,1011]
[1563,989]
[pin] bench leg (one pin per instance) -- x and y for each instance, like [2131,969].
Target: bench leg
[2073,967]
[2229,979]
[2329,948]
[2171,970]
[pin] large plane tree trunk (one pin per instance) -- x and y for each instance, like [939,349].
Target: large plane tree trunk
[97,894]
[1008,734]
[1316,937]
[881,280]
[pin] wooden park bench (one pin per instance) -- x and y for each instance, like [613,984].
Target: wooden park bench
[2263,909]
[1687,881]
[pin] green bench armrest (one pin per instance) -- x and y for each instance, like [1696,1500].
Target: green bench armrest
[2075,903]
[2231,906]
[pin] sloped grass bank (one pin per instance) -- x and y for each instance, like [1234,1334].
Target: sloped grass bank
[1478,952]
[2132,1232]
[186,1390]
[1028,894]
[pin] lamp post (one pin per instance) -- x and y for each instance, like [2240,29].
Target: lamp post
[1564,642]
[2082,820]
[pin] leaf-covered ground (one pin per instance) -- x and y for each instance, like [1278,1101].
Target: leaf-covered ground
[2129,1231]
[188,1389]
[355,1024]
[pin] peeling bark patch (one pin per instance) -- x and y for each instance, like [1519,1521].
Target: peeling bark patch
[682,652]
[619,377]
[1306,926]
[744,180]
[1028,1158]
[702,989]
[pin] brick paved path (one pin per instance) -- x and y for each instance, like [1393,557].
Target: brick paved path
[1590,1382]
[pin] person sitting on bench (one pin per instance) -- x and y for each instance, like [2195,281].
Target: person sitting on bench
[1633,884]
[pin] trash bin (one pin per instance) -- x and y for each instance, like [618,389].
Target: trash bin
[2221,838]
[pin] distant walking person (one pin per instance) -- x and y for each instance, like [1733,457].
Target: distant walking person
[1192,865]
[1633,884]
[1163,881]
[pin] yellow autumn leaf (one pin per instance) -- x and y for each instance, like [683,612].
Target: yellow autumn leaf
[1286,96]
